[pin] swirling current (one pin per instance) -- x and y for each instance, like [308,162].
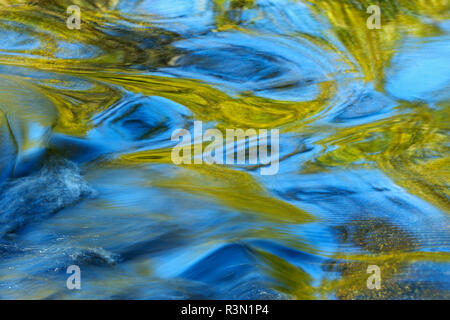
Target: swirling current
[87,179]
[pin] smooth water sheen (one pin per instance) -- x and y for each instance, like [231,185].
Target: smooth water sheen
[87,179]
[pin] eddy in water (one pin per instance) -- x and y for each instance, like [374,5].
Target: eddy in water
[210,149]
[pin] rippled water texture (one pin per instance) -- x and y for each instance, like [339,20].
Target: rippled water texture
[87,179]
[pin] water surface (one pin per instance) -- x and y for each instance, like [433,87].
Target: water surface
[87,179]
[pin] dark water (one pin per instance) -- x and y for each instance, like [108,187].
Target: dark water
[87,179]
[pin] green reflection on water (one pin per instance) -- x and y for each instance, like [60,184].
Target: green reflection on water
[118,51]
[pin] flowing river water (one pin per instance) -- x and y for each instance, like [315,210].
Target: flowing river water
[86,118]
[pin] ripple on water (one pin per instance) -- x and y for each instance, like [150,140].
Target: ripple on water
[276,68]
[362,118]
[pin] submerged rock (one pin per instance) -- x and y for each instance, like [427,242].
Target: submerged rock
[27,199]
